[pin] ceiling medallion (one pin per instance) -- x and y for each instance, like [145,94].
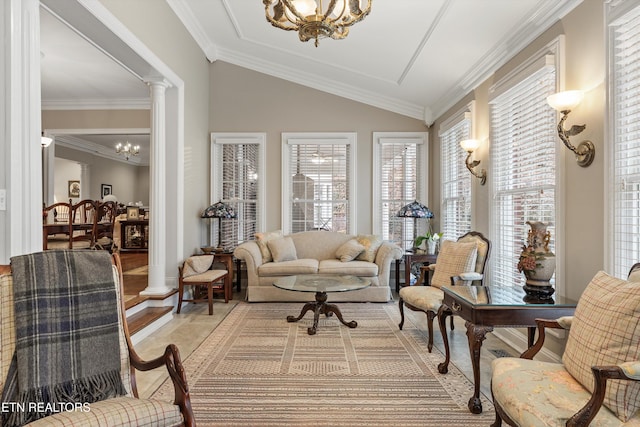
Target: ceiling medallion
[313,21]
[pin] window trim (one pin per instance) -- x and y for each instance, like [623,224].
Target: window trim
[379,138]
[217,141]
[289,139]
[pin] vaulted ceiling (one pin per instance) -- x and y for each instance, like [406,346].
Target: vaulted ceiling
[413,57]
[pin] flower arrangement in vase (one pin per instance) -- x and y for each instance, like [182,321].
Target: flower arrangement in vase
[537,262]
[430,240]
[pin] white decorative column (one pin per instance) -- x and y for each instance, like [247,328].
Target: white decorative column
[20,148]
[85,181]
[157,190]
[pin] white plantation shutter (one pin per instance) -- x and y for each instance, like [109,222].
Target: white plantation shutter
[237,171]
[317,177]
[456,180]
[624,39]
[399,179]
[523,160]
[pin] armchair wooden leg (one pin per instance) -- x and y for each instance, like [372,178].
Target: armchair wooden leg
[210,297]
[180,292]
[401,307]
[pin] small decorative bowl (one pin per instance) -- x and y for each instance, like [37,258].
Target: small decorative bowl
[208,249]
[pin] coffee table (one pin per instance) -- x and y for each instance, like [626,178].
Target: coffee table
[486,307]
[321,284]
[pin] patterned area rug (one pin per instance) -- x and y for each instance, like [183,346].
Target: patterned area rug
[255,369]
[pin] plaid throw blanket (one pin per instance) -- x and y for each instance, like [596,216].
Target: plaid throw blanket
[67,347]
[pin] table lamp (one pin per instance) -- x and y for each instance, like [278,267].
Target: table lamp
[415,210]
[219,210]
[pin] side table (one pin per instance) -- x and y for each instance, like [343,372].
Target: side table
[228,259]
[409,258]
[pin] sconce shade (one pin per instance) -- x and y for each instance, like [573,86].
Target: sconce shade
[415,209]
[219,210]
[470,145]
[565,101]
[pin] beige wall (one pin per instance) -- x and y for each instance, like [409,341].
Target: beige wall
[585,69]
[247,101]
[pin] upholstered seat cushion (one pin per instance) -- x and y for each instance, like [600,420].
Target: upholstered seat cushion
[356,268]
[207,276]
[120,411]
[422,297]
[547,394]
[288,268]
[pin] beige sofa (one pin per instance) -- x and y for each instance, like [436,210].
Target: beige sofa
[315,252]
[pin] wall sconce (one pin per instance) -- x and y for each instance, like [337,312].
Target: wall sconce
[471,145]
[565,102]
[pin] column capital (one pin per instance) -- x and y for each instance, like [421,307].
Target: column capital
[156,81]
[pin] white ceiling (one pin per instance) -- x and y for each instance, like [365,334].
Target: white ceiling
[413,57]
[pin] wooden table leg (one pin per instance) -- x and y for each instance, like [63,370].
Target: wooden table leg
[398,275]
[443,313]
[476,335]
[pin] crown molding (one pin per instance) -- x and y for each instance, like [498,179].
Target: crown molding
[96,104]
[79,144]
[525,32]
[189,20]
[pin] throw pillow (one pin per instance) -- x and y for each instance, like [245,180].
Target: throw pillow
[454,258]
[371,244]
[282,249]
[349,250]
[196,265]
[606,331]
[262,239]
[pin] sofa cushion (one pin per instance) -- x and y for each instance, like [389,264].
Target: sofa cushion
[547,394]
[354,268]
[196,265]
[349,250]
[288,268]
[454,258]
[262,239]
[371,244]
[606,331]
[282,249]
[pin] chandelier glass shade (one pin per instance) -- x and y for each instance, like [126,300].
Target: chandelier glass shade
[316,19]
[127,150]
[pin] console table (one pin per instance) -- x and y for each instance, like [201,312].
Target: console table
[486,307]
[134,235]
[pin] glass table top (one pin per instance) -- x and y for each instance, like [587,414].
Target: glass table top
[508,296]
[321,283]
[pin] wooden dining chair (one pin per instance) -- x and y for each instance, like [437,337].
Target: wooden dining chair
[83,224]
[105,225]
[56,226]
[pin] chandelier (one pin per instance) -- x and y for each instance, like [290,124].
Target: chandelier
[127,150]
[314,21]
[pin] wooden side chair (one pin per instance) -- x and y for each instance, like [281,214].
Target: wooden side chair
[598,381]
[205,281]
[83,224]
[56,226]
[123,410]
[459,262]
[105,225]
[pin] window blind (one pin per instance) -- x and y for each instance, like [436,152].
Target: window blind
[625,103]
[456,179]
[523,153]
[319,190]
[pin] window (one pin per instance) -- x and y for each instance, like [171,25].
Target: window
[624,166]
[456,179]
[523,159]
[318,180]
[237,178]
[399,162]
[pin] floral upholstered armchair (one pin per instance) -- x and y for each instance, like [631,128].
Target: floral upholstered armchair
[598,381]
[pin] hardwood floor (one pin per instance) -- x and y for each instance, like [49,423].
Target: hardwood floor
[133,273]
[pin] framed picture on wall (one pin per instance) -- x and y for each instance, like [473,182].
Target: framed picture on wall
[74,189]
[133,212]
[106,190]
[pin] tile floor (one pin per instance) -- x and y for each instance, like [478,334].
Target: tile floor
[188,329]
